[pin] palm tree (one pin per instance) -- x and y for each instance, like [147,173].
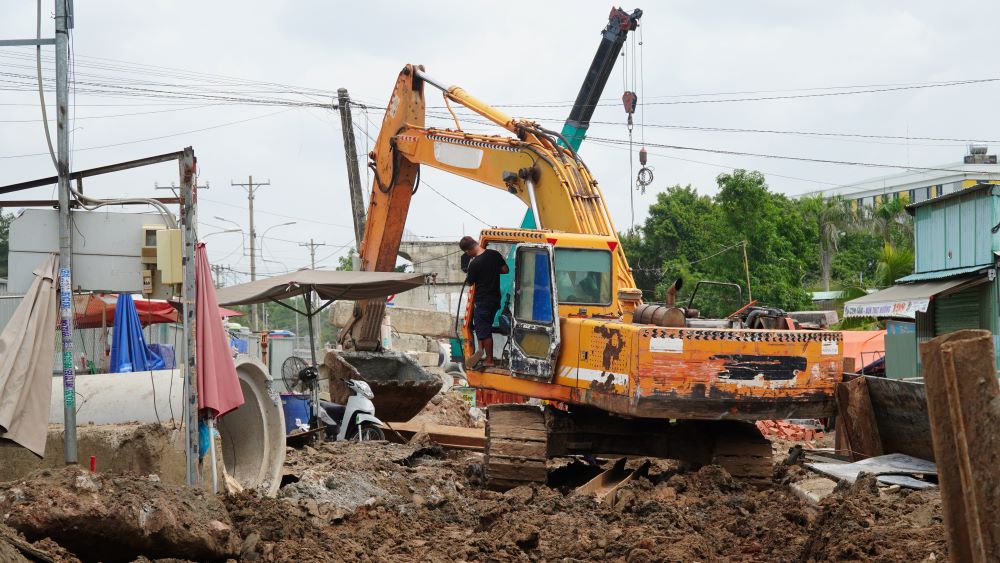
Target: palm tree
[831,217]
[893,263]
[890,215]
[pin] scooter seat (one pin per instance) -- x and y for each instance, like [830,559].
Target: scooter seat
[335,411]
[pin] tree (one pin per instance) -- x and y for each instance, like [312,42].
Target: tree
[696,237]
[5,219]
[830,216]
[346,262]
[893,263]
[890,220]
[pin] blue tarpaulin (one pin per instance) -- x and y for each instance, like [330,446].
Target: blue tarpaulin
[128,346]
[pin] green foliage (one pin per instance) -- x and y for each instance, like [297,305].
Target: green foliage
[346,262]
[893,263]
[697,237]
[5,219]
[856,257]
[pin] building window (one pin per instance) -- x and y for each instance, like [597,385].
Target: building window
[868,202]
[911,195]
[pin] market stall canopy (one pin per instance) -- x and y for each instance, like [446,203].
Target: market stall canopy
[903,300]
[95,310]
[329,285]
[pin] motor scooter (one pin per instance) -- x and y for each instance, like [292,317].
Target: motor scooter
[354,421]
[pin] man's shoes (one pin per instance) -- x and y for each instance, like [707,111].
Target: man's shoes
[474,359]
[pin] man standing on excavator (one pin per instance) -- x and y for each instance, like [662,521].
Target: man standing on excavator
[483,272]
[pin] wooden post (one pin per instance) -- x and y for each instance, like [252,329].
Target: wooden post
[963,401]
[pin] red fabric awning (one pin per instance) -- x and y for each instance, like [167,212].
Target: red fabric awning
[95,310]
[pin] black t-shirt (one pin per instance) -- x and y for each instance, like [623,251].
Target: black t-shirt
[484,272]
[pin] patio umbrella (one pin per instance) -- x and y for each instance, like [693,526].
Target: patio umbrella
[129,352]
[26,345]
[329,285]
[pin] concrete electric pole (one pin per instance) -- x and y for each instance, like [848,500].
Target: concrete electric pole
[312,261]
[251,189]
[64,22]
[353,174]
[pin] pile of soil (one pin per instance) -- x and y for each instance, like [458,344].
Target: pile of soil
[863,522]
[449,408]
[425,504]
[104,517]
[377,501]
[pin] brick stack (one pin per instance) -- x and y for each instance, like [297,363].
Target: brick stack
[788,431]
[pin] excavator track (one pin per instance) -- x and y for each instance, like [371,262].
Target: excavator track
[516,446]
[745,453]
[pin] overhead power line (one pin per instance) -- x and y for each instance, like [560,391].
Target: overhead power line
[783,157]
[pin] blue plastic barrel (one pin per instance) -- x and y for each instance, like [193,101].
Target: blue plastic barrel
[296,409]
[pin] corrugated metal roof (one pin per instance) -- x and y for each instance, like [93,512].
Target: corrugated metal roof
[958,193]
[942,274]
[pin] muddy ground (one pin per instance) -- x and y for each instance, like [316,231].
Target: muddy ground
[392,502]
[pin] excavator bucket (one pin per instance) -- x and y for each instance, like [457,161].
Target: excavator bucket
[401,386]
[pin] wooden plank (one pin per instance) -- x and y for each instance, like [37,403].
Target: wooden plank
[963,399]
[520,472]
[458,437]
[518,448]
[854,407]
[507,432]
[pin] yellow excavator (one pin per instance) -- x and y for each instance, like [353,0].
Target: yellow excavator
[619,376]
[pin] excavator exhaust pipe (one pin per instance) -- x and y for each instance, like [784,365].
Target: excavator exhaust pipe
[671,300]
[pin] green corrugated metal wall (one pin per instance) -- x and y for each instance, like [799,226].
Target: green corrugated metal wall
[956,232]
[961,310]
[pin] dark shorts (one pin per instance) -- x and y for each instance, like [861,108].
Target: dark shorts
[482,319]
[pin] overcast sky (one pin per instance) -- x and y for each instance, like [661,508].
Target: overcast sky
[510,52]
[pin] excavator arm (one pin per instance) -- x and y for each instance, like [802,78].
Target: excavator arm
[552,180]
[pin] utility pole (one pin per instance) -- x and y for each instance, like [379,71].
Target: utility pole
[64,23]
[353,174]
[312,261]
[189,223]
[251,188]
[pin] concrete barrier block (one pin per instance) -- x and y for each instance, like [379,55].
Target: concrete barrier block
[422,322]
[425,359]
[409,342]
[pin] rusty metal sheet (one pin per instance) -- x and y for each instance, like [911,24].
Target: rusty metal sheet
[900,409]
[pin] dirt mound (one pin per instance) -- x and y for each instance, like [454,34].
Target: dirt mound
[425,505]
[378,501]
[450,409]
[117,518]
[863,523]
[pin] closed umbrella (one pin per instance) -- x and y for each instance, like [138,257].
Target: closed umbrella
[218,385]
[26,345]
[129,351]
[219,390]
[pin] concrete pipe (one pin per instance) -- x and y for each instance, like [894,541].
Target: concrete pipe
[252,437]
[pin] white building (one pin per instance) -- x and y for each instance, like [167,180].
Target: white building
[923,184]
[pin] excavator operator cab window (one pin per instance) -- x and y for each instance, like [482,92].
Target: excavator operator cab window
[583,276]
